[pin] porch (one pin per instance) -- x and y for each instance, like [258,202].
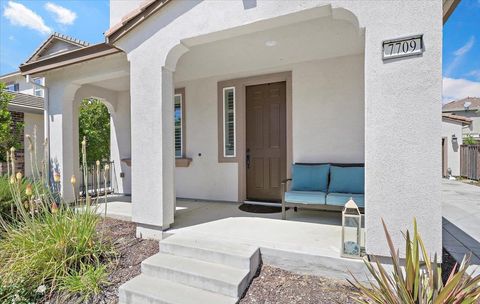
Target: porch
[308,242]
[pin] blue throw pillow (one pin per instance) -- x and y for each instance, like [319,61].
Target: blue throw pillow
[310,177]
[347,180]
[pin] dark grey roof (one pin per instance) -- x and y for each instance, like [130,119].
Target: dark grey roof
[26,101]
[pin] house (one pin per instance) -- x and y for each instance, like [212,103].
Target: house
[453,127]
[346,82]
[26,107]
[467,107]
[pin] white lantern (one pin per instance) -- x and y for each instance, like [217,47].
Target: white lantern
[352,240]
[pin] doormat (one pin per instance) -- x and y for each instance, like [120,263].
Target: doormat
[251,208]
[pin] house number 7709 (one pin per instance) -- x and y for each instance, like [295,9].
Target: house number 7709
[402,47]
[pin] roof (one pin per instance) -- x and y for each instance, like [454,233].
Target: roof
[26,102]
[134,18]
[457,118]
[68,58]
[10,74]
[459,105]
[149,7]
[51,40]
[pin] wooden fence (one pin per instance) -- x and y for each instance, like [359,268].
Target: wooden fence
[470,161]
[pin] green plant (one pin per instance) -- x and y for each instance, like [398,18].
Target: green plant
[419,281]
[469,140]
[48,244]
[94,124]
[10,132]
[85,282]
[7,206]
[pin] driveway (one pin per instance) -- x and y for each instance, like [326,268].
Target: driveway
[461,219]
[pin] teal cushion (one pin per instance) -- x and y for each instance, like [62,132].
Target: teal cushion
[347,180]
[305,197]
[310,177]
[340,199]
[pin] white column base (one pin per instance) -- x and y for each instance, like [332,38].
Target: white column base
[150,232]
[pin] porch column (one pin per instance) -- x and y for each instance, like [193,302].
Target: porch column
[61,134]
[403,99]
[153,195]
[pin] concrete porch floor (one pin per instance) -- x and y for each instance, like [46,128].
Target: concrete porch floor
[307,242]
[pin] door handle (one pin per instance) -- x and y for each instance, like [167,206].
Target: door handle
[248,158]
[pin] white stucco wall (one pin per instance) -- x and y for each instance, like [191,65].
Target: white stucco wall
[328,111]
[450,128]
[31,121]
[23,86]
[402,102]
[120,141]
[202,138]
[328,124]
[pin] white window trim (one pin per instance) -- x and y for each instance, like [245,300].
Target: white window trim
[181,124]
[234,124]
[37,88]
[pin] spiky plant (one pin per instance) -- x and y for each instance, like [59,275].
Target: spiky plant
[419,281]
[48,242]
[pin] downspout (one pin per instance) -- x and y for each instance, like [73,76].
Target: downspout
[46,122]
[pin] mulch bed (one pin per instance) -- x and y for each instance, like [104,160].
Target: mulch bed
[277,286]
[271,285]
[131,252]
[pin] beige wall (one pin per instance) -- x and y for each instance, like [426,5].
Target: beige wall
[328,124]
[32,120]
[449,128]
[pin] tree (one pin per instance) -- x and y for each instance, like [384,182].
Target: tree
[94,124]
[10,132]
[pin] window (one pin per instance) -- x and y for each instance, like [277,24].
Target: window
[38,91]
[12,87]
[229,122]
[178,109]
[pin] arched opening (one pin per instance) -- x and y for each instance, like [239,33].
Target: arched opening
[96,167]
[102,116]
[313,60]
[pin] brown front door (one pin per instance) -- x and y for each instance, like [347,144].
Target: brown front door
[266,140]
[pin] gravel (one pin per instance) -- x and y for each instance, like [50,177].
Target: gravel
[275,285]
[271,285]
[131,252]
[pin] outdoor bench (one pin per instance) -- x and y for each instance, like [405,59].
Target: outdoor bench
[323,186]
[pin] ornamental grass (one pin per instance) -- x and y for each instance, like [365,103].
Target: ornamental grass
[47,246]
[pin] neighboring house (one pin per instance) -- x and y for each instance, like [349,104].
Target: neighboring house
[453,127]
[467,107]
[182,81]
[27,107]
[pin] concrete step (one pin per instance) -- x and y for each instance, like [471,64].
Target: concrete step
[147,290]
[208,276]
[209,250]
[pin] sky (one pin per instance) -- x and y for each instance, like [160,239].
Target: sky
[461,52]
[25,24]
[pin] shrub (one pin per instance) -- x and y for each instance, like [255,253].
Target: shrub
[7,206]
[419,281]
[48,244]
[85,282]
[469,140]
[10,132]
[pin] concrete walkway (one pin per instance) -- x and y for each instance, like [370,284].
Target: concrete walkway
[461,219]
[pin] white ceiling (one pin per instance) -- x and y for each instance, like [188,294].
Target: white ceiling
[315,39]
